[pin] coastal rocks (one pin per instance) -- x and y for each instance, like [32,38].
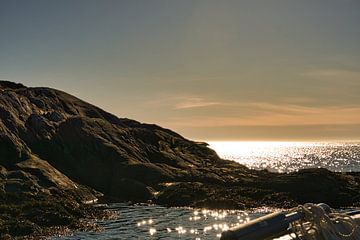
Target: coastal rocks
[12,149]
[319,185]
[55,116]
[57,152]
[130,190]
[261,188]
[39,126]
[10,85]
[204,195]
[47,175]
[36,200]
[25,213]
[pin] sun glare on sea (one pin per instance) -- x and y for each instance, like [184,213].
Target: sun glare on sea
[290,156]
[249,148]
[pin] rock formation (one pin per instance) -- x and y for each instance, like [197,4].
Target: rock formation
[54,144]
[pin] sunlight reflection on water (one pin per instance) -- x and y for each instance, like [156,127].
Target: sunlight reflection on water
[292,156]
[156,222]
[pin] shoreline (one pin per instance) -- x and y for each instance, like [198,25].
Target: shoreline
[57,151]
[51,219]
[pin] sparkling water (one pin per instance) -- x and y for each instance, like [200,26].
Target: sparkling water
[292,156]
[156,222]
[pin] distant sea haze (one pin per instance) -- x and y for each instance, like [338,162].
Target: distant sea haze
[292,156]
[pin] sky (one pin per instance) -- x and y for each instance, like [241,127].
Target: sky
[208,69]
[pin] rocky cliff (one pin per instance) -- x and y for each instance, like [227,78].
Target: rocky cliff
[54,144]
[94,147]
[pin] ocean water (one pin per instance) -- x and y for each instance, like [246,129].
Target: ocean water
[292,156]
[156,222]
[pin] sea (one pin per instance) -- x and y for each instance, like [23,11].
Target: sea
[157,222]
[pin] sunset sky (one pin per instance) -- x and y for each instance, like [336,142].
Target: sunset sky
[208,69]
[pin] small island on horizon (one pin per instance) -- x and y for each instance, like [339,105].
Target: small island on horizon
[59,154]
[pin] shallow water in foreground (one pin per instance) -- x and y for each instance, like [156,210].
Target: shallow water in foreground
[156,222]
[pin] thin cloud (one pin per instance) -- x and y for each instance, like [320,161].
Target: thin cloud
[271,115]
[221,113]
[334,74]
[179,102]
[195,103]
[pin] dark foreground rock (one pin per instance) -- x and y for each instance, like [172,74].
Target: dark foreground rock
[57,151]
[261,188]
[37,201]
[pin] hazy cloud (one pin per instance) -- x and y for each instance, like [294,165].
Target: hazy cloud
[178,102]
[195,102]
[275,115]
[335,74]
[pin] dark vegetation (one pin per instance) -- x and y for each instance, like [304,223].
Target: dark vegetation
[57,152]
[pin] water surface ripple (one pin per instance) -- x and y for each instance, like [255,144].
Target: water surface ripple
[156,222]
[292,156]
